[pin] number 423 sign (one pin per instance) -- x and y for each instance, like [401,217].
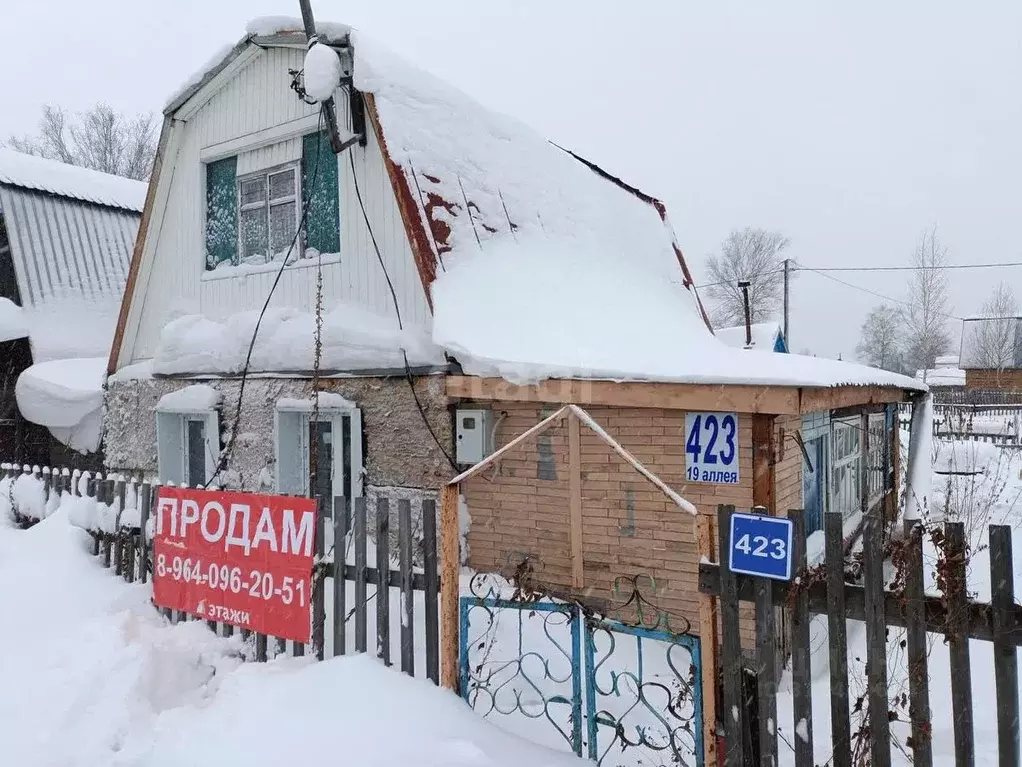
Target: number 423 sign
[711,448]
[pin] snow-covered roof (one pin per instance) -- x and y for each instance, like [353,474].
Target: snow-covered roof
[764,335]
[66,396]
[538,263]
[947,361]
[42,175]
[942,376]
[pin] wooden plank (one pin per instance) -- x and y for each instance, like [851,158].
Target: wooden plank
[801,650]
[876,641]
[836,397]
[382,580]
[575,501]
[319,582]
[779,400]
[340,582]
[958,642]
[977,615]
[1002,576]
[260,647]
[145,501]
[731,643]
[916,648]
[407,606]
[706,535]
[432,589]
[766,672]
[361,592]
[450,568]
[763,462]
[281,646]
[118,540]
[840,724]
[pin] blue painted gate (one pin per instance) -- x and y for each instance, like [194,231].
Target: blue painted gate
[621,693]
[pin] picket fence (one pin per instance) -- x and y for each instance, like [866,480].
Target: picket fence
[827,591]
[125,547]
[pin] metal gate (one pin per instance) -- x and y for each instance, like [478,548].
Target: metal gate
[622,693]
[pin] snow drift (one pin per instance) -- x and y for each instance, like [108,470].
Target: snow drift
[66,396]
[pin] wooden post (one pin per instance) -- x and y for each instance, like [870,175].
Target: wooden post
[450,567]
[1005,656]
[915,641]
[429,565]
[955,593]
[575,493]
[383,580]
[876,639]
[731,659]
[708,642]
[763,462]
[837,625]
[801,673]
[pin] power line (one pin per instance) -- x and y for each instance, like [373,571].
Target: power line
[871,292]
[903,268]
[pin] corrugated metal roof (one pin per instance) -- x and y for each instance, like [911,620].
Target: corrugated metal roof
[40,174]
[63,247]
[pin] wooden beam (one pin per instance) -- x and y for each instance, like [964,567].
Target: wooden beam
[450,567]
[575,494]
[709,640]
[763,462]
[817,399]
[671,396]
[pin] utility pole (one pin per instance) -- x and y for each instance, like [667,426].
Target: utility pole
[787,274]
[744,286]
[328,106]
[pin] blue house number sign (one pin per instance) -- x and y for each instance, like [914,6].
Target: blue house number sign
[761,546]
[711,448]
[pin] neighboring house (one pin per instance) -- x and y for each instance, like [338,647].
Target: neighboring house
[944,376]
[991,353]
[66,236]
[766,336]
[475,278]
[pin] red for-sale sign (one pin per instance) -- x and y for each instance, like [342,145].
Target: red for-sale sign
[238,558]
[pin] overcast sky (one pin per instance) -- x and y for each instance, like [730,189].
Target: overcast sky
[851,128]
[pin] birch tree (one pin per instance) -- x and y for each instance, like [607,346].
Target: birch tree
[881,342]
[927,336]
[993,341]
[753,255]
[98,138]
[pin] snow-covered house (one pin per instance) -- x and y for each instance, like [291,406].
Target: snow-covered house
[474,278]
[66,236]
[766,336]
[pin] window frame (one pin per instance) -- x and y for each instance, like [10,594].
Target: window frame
[849,426]
[177,470]
[267,204]
[350,479]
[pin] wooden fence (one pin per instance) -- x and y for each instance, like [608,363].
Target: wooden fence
[826,591]
[123,547]
[976,397]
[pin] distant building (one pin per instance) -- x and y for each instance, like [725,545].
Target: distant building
[766,336]
[945,374]
[991,353]
[66,237]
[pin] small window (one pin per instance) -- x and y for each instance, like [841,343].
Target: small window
[268,214]
[188,447]
[336,439]
[846,462]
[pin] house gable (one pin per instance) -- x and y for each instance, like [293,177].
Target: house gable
[249,112]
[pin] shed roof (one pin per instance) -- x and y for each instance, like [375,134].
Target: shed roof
[764,335]
[29,172]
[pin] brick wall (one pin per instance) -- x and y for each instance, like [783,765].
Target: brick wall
[629,526]
[1010,380]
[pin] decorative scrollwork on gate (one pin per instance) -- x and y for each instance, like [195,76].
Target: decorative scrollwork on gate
[636,603]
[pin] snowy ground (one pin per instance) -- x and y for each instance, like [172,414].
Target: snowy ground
[93,676]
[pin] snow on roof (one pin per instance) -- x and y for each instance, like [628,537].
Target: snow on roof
[42,175]
[600,318]
[764,335]
[947,361]
[66,396]
[12,321]
[942,376]
[265,26]
[354,338]
[196,398]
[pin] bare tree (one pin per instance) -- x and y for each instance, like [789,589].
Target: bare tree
[927,335]
[98,138]
[881,343]
[991,342]
[753,255]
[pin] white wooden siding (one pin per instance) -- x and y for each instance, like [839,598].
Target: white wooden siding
[259,98]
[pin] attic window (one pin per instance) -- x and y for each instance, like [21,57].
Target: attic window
[255,200]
